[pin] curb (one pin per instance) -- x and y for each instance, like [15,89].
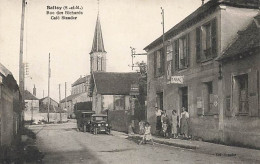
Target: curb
[167,143]
[176,144]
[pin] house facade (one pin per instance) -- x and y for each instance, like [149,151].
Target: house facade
[240,65]
[31,106]
[10,110]
[185,73]
[112,95]
[79,93]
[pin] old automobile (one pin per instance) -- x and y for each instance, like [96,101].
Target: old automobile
[99,124]
[83,120]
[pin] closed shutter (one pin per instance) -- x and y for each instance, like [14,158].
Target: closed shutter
[253,82]
[205,97]
[198,44]
[154,64]
[188,50]
[176,54]
[173,58]
[214,104]
[214,37]
[162,61]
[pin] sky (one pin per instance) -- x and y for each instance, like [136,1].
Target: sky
[124,23]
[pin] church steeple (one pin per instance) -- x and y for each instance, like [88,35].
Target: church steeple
[98,44]
[98,53]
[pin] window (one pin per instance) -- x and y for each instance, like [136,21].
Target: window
[158,63]
[98,63]
[181,52]
[240,93]
[206,43]
[119,102]
[159,100]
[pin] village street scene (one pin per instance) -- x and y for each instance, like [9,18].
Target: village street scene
[132,81]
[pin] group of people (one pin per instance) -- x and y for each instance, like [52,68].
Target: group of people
[173,126]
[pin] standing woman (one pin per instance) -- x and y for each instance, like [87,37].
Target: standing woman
[174,124]
[158,114]
[184,123]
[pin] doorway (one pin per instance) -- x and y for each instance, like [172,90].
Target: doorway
[184,97]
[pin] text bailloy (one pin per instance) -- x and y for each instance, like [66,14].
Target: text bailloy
[54,7]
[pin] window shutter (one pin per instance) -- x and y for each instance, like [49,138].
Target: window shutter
[162,60]
[188,50]
[214,37]
[176,52]
[214,104]
[205,98]
[253,81]
[173,57]
[155,61]
[198,44]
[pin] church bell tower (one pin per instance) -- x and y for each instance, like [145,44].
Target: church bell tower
[98,53]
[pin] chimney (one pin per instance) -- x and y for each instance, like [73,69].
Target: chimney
[202,2]
[34,90]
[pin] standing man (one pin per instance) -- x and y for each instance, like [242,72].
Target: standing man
[185,122]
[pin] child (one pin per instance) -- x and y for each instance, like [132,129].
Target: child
[164,128]
[164,124]
[147,134]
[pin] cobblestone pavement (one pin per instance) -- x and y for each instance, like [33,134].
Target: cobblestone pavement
[62,143]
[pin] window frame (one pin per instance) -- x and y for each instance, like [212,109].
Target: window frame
[159,59]
[206,51]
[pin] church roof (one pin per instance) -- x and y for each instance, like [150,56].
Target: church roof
[98,44]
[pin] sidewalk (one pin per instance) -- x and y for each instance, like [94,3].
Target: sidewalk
[200,146]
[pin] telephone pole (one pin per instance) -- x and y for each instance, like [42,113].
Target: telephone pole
[59,105]
[163,29]
[49,75]
[66,95]
[21,65]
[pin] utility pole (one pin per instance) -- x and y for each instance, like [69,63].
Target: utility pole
[66,95]
[133,55]
[49,75]
[21,65]
[163,29]
[42,93]
[59,105]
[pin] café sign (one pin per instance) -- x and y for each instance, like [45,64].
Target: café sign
[177,79]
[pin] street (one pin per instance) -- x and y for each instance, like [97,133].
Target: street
[62,143]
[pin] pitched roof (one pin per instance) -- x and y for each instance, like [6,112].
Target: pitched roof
[70,97]
[29,96]
[200,14]
[47,98]
[114,83]
[4,71]
[8,78]
[79,81]
[246,42]
[98,44]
